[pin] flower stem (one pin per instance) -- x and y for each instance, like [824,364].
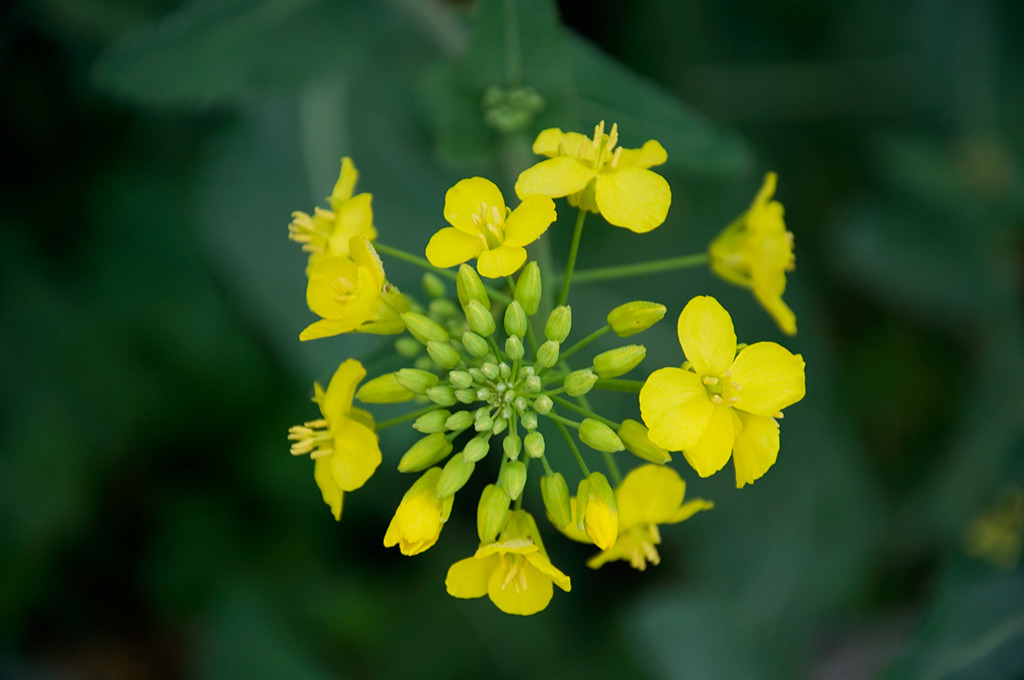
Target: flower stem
[640,268]
[585,412]
[403,418]
[400,254]
[584,342]
[573,250]
[619,385]
[572,447]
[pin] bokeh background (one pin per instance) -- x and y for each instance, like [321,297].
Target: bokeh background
[152,523]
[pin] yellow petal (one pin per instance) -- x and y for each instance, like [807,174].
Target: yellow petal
[467,198]
[365,256]
[329,489]
[325,328]
[650,494]
[502,261]
[707,336]
[469,577]
[650,154]
[353,218]
[689,509]
[337,400]
[528,592]
[675,407]
[356,454]
[756,448]
[766,191]
[540,562]
[450,247]
[571,530]
[531,219]
[346,183]
[770,378]
[555,177]
[554,142]
[711,452]
[634,198]
[331,281]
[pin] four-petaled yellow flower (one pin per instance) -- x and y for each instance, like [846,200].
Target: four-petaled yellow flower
[342,444]
[756,251]
[482,227]
[721,402]
[327,232]
[514,571]
[418,520]
[351,294]
[649,495]
[600,177]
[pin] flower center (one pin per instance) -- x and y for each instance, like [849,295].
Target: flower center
[715,388]
[602,149]
[313,437]
[490,224]
[514,567]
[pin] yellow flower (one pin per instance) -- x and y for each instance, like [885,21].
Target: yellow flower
[599,177]
[418,520]
[351,294]
[600,520]
[756,251]
[343,443]
[514,571]
[328,232]
[482,227]
[721,402]
[649,495]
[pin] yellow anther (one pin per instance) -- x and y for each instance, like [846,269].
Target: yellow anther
[736,386]
[613,136]
[716,399]
[615,157]
[778,414]
[709,380]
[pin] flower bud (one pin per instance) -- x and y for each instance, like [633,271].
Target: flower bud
[513,478]
[483,420]
[555,493]
[415,380]
[442,309]
[600,514]
[466,396]
[454,476]
[432,422]
[533,444]
[490,370]
[512,445]
[618,361]
[480,318]
[634,317]
[423,328]
[459,421]
[634,437]
[547,354]
[469,287]
[474,344]
[499,425]
[514,348]
[384,389]
[442,395]
[579,382]
[477,448]
[529,418]
[599,436]
[491,513]
[515,320]
[460,380]
[433,286]
[528,288]
[443,354]
[424,453]
[408,347]
[559,323]
[543,404]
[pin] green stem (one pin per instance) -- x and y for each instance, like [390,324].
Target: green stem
[400,254]
[613,468]
[619,385]
[403,418]
[641,268]
[562,356]
[585,412]
[573,250]
[562,420]
[572,447]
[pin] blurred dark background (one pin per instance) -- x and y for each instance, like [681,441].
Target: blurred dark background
[152,523]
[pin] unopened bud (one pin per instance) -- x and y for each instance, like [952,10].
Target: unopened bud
[559,324]
[513,478]
[529,419]
[515,319]
[634,437]
[618,361]
[433,286]
[600,515]
[459,421]
[408,347]
[454,476]
[443,354]
[555,493]
[423,328]
[476,449]
[512,445]
[579,382]
[528,288]
[460,380]
[474,344]
[514,348]
[634,317]
[483,420]
[480,318]
[432,422]
[442,395]
[547,354]
[469,287]
[543,404]
[415,380]
[533,444]
[466,396]
[442,308]
[384,389]
[599,436]
[425,452]
[491,513]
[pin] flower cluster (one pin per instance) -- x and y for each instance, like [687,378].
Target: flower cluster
[496,383]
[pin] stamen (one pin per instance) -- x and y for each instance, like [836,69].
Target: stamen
[731,400]
[613,136]
[709,380]
[736,386]
[716,399]
[615,157]
[778,414]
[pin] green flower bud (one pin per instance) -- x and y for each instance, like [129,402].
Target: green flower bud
[599,516]
[423,362]
[532,384]
[442,395]
[480,318]
[491,513]
[579,382]
[483,420]
[460,380]
[425,452]
[505,370]
[415,380]
[533,444]
[432,422]
[454,476]
[474,344]
[466,396]
[477,448]
[634,438]
[514,348]
[512,445]
[555,493]
[423,328]
[599,436]
[443,354]
[442,309]
[618,361]
[547,354]
[433,286]
[634,317]
[490,370]
[458,421]
[408,347]
[515,319]
[384,389]
[543,404]
[512,478]
[559,323]
[528,288]
[499,425]
[529,419]
[469,287]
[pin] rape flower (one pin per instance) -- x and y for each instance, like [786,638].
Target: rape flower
[649,495]
[418,520]
[513,571]
[343,443]
[482,227]
[328,232]
[600,177]
[351,294]
[721,402]
[756,251]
